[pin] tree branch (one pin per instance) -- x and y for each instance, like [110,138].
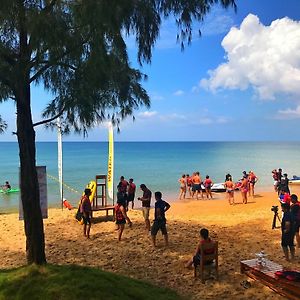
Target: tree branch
[50,119]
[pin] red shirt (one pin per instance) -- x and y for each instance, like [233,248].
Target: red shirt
[209,250]
[85,204]
[207,183]
[131,188]
[124,185]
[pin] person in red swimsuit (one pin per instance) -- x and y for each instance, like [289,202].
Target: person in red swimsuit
[244,188]
[204,238]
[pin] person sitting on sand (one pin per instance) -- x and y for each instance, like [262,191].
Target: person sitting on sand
[204,239]
[295,211]
[86,210]
[159,223]
[146,201]
[229,185]
[121,217]
[208,184]
[182,182]
[287,232]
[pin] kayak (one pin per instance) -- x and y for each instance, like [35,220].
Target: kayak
[9,191]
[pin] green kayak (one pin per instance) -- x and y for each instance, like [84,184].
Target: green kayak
[9,191]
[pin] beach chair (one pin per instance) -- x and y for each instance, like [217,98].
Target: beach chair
[206,259]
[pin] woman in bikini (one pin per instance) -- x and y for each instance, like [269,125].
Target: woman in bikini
[229,185]
[182,191]
[244,188]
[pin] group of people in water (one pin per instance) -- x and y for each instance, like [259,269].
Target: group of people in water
[195,186]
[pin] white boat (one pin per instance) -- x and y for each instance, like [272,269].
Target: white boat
[218,187]
[295,180]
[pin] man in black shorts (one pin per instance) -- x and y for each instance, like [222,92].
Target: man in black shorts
[287,232]
[159,223]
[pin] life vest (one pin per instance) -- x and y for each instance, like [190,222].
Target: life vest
[119,215]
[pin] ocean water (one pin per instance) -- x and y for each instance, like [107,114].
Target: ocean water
[157,164]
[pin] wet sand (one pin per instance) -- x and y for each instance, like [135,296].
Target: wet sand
[242,230]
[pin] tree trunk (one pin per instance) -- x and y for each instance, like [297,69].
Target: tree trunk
[33,221]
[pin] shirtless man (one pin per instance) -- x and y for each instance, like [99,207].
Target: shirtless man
[197,185]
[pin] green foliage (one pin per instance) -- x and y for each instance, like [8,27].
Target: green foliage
[3,125]
[76,49]
[74,282]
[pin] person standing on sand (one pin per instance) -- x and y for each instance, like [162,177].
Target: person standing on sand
[131,193]
[244,188]
[182,182]
[295,211]
[252,178]
[189,183]
[287,232]
[275,179]
[146,201]
[197,185]
[284,183]
[121,217]
[122,186]
[160,221]
[86,210]
[208,184]
[229,185]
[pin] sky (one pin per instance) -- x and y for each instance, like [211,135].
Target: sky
[239,81]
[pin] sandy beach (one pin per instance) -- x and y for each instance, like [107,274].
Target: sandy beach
[242,230]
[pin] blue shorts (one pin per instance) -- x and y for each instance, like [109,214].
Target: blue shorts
[159,225]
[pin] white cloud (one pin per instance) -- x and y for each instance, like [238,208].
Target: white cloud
[289,113]
[266,58]
[147,114]
[155,96]
[216,22]
[172,117]
[178,93]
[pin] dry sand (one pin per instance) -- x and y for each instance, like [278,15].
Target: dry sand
[242,230]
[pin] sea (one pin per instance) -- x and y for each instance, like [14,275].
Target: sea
[159,165]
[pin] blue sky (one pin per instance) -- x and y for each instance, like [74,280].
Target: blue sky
[240,81]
